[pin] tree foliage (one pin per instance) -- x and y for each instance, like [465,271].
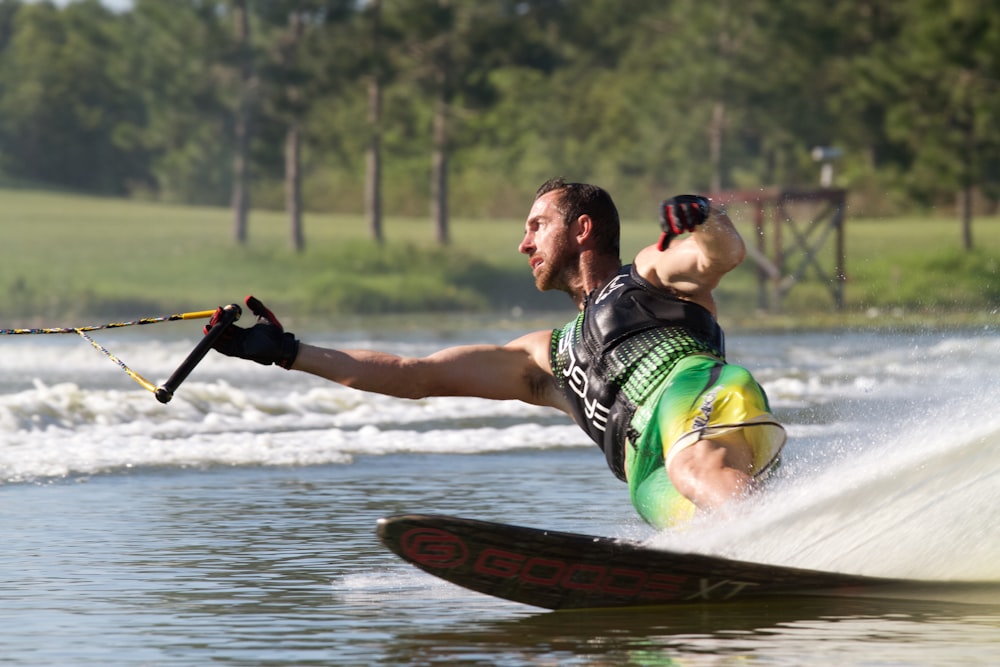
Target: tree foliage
[476,102]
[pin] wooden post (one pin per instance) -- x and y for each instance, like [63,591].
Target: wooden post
[775,278]
[763,302]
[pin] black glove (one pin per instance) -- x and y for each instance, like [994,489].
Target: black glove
[266,342]
[681,214]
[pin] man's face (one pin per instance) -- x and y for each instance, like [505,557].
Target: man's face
[548,243]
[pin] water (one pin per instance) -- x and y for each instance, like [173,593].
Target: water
[235,525]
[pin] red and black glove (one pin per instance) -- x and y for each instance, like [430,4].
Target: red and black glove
[266,342]
[681,214]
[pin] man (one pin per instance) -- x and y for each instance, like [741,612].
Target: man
[641,369]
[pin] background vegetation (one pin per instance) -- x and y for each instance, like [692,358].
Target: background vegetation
[77,258]
[646,97]
[326,151]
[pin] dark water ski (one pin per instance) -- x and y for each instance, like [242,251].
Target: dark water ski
[558,570]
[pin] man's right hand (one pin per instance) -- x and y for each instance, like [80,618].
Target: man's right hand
[266,342]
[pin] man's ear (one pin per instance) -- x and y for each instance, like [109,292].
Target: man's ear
[584,229]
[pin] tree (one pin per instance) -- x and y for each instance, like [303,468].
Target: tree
[63,102]
[860,73]
[453,48]
[240,200]
[946,92]
[299,71]
[377,72]
[8,10]
[173,59]
[736,92]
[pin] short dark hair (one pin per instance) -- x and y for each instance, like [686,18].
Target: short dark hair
[576,199]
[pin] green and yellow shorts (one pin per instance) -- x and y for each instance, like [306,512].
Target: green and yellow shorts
[701,398]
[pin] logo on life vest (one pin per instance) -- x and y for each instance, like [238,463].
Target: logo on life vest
[576,378]
[705,411]
[616,283]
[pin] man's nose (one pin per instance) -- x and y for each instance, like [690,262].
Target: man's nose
[526,245]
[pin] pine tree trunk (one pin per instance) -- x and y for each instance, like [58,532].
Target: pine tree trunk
[293,185]
[373,166]
[965,213]
[240,199]
[439,173]
[373,158]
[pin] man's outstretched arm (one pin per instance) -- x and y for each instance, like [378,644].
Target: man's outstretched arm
[518,370]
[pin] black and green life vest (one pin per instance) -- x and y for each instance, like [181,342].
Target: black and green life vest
[620,348]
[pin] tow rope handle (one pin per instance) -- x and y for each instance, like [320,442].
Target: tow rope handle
[229,314]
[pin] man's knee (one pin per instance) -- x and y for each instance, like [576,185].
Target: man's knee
[712,472]
[728,451]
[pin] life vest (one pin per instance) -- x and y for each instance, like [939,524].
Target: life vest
[619,349]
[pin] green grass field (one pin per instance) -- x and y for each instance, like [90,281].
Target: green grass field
[65,257]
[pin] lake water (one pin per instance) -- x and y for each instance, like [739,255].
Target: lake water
[236,525]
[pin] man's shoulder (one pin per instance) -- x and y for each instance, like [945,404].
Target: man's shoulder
[662,274]
[536,343]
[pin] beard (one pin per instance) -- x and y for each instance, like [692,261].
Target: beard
[558,272]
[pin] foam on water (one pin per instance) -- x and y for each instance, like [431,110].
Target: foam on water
[60,430]
[67,410]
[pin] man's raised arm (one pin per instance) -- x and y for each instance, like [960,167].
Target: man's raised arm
[698,246]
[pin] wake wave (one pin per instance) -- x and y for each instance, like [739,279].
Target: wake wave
[915,499]
[61,430]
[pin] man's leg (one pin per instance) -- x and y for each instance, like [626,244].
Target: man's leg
[711,473]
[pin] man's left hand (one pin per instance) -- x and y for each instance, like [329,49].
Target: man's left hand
[681,214]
